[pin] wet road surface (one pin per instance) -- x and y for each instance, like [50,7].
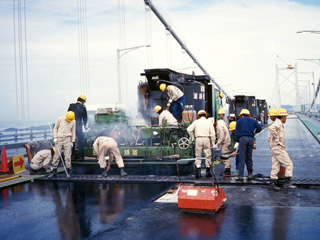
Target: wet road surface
[67,210]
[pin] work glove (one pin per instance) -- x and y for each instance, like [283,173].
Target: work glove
[213,146]
[71,144]
[168,105]
[236,145]
[55,140]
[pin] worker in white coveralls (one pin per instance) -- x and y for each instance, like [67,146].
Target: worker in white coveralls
[224,143]
[278,151]
[64,135]
[204,132]
[42,160]
[176,97]
[165,116]
[103,145]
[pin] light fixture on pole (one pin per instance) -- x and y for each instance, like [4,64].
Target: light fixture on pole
[309,31]
[119,55]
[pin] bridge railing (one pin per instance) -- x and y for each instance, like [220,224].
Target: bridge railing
[14,139]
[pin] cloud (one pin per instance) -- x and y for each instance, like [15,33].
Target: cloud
[236,41]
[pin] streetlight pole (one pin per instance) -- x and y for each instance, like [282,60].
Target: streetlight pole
[303,96]
[316,61]
[119,55]
[314,91]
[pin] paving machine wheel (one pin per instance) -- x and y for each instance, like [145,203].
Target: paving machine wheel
[183,143]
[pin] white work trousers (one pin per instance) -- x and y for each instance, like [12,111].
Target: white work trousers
[112,148]
[225,148]
[65,145]
[203,144]
[279,155]
[42,165]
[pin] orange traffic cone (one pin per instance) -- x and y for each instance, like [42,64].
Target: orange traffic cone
[4,161]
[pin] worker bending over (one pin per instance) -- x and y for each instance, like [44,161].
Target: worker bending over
[176,97]
[165,116]
[64,135]
[224,144]
[245,132]
[278,151]
[204,132]
[103,145]
[42,160]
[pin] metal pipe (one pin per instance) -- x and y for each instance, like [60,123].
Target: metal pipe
[183,46]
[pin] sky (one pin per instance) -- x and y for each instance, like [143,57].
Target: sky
[238,42]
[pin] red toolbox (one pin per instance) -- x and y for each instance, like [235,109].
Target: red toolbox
[200,198]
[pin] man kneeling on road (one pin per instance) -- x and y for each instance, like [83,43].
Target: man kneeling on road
[41,161]
[103,145]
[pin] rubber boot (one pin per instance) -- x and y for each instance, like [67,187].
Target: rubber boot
[287,184]
[32,172]
[227,172]
[272,185]
[208,172]
[123,173]
[250,176]
[198,173]
[53,174]
[104,173]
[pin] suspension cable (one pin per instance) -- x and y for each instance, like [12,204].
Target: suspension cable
[15,59]
[26,59]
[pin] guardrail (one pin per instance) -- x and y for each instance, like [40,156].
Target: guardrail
[14,139]
[16,136]
[312,114]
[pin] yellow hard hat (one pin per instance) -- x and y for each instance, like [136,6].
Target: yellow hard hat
[272,112]
[221,111]
[157,108]
[83,97]
[70,116]
[282,112]
[162,86]
[262,111]
[202,112]
[232,125]
[221,95]
[244,112]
